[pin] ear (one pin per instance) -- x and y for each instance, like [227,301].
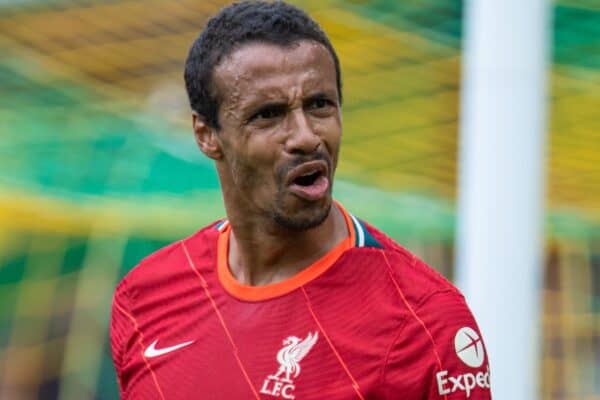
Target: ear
[206,137]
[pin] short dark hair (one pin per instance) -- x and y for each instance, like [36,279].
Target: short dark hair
[238,24]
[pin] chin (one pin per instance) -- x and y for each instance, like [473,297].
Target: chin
[305,218]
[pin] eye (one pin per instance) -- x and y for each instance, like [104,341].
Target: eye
[320,106]
[319,102]
[268,112]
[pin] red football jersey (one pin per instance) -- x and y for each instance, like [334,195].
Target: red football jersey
[367,321]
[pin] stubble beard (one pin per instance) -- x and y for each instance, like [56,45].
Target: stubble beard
[298,223]
[308,217]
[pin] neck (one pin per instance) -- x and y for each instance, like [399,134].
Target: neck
[261,253]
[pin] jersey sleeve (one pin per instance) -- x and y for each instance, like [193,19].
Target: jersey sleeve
[120,332]
[440,352]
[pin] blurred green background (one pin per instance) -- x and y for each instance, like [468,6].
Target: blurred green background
[99,167]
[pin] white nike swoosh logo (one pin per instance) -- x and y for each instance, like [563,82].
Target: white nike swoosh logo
[152,351]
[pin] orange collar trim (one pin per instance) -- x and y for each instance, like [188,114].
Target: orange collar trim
[265,292]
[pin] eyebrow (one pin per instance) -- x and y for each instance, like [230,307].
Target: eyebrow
[253,109]
[259,102]
[320,95]
[255,105]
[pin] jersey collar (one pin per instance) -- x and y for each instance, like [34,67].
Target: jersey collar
[356,235]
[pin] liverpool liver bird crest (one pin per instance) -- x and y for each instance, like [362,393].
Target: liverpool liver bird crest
[289,357]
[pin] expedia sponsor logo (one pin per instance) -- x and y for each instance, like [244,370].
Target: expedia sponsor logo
[465,382]
[469,348]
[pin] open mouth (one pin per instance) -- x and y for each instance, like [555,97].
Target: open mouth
[308,179]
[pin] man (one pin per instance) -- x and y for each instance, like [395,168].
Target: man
[291,296]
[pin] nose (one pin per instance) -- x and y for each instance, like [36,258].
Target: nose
[302,138]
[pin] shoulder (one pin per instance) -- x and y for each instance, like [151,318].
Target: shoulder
[438,341]
[415,281]
[157,277]
[442,346]
[166,261]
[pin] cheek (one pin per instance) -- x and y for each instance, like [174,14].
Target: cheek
[263,151]
[253,170]
[240,168]
[330,130]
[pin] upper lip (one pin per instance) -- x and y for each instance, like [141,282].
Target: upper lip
[307,168]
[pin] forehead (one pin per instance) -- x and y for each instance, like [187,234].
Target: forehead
[264,66]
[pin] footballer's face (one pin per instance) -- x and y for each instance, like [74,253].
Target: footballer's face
[280,131]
